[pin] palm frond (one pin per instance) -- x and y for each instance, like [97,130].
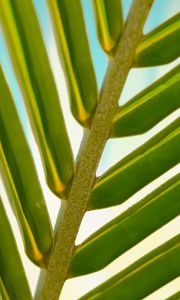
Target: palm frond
[126,47]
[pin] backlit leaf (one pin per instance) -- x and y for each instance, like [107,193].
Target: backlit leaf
[149,107]
[138,169]
[109,22]
[140,279]
[31,65]
[128,229]
[67,18]
[21,181]
[161,45]
[13,282]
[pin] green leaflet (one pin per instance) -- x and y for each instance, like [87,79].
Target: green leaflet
[128,229]
[32,68]
[140,279]
[160,46]
[158,101]
[20,178]
[67,18]
[146,163]
[109,23]
[13,282]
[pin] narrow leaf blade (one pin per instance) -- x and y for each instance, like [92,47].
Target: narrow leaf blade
[109,23]
[31,65]
[146,163]
[160,46]
[149,107]
[128,229]
[13,282]
[21,181]
[69,27]
[144,276]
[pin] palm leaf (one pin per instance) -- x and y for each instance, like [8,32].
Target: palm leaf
[147,163]
[17,167]
[128,229]
[144,276]
[126,47]
[155,49]
[158,100]
[13,282]
[109,23]
[69,28]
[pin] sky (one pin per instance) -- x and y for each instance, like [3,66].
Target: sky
[114,150]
